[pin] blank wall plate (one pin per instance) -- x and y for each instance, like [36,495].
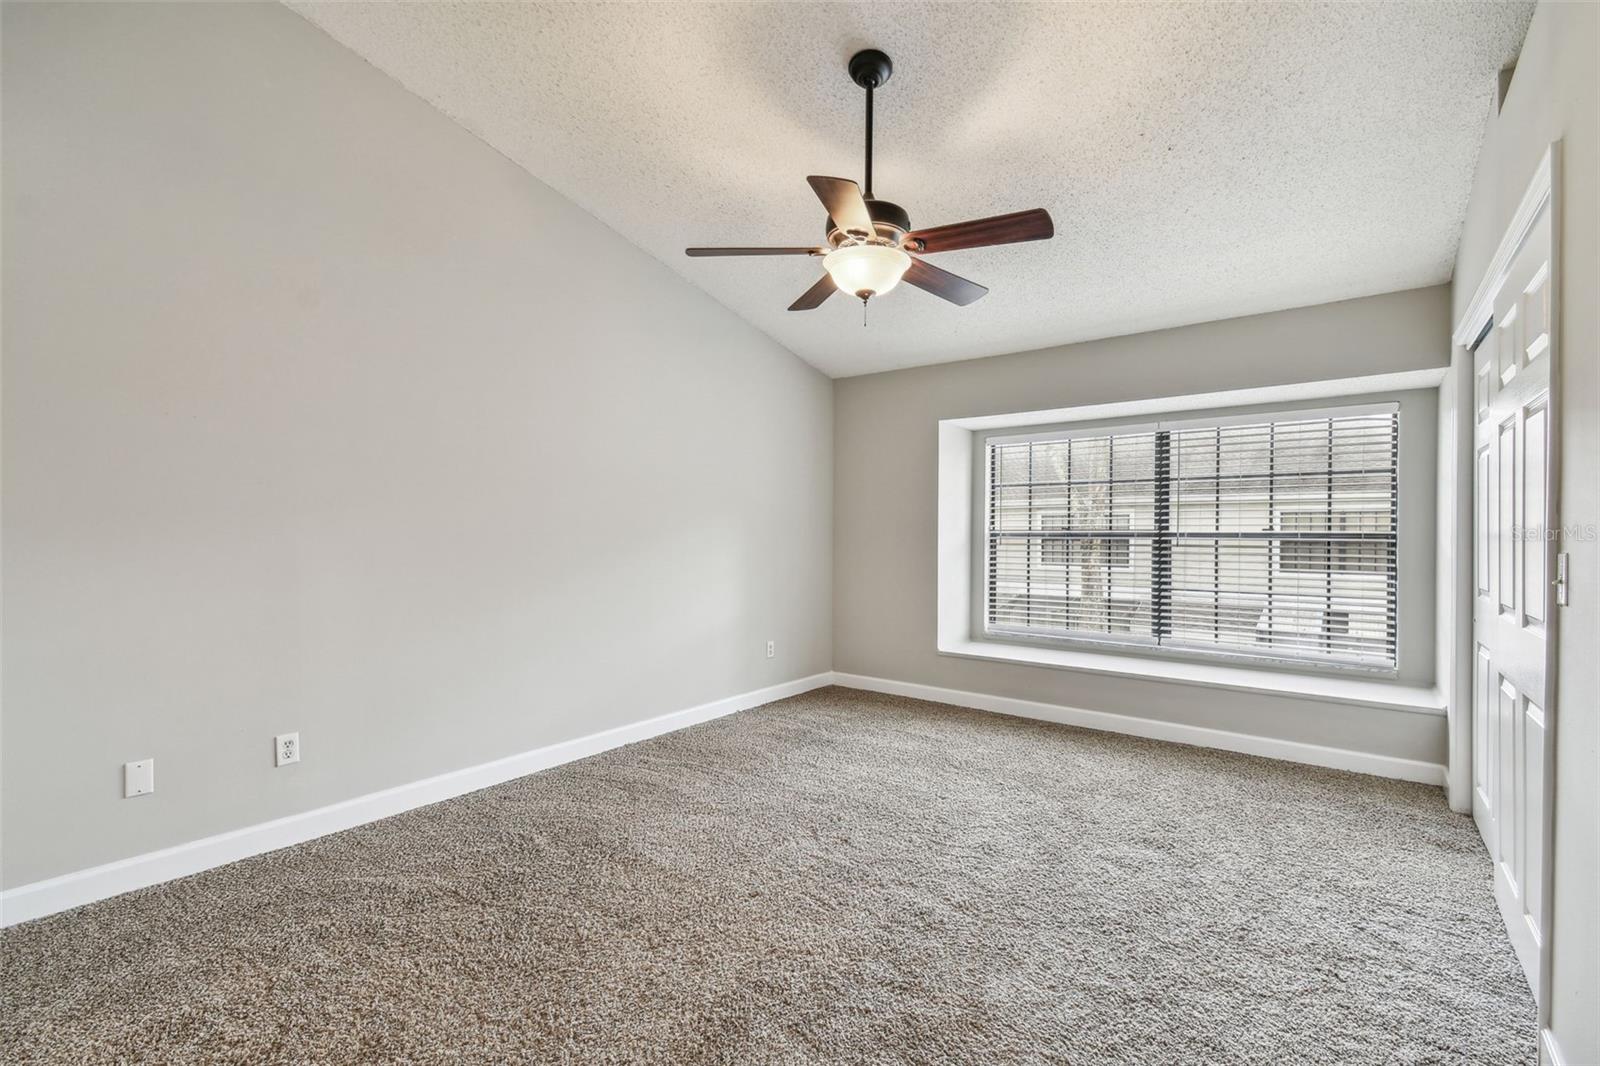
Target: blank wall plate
[138,778]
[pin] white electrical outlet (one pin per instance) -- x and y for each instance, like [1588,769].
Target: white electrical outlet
[138,778]
[285,749]
[772,648]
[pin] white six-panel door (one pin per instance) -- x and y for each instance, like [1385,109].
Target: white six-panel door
[1512,602]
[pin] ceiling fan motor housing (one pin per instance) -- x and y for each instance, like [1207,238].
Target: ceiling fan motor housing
[889,219]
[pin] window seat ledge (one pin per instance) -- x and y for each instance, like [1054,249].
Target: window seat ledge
[1355,691]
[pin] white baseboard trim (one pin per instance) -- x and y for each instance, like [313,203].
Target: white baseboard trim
[1552,1050]
[1360,762]
[41,898]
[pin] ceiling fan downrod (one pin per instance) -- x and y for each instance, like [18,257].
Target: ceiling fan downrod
[868,182]
[870,69]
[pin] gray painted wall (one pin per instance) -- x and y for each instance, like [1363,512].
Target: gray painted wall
[320,415]
[885,505]
[1555,94]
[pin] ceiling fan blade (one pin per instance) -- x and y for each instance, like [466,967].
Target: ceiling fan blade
[814,296]
[842,198]
[702,252]
[1018,226]
[943,284]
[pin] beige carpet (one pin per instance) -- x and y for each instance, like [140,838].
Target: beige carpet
[835,878]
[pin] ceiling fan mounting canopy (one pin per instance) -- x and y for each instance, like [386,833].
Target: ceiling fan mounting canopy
[870,245]
[870,68]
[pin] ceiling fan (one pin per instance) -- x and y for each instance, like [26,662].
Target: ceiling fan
[870,242]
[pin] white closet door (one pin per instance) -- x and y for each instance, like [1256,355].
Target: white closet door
[1512,601]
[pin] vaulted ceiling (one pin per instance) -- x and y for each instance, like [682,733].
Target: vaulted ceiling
[1201,161]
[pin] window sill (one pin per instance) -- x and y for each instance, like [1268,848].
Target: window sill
[1351,691]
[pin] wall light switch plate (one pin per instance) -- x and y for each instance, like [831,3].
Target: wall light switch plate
[285,749]
[138,778]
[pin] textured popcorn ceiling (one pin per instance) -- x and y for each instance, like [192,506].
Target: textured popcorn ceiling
[1201,161]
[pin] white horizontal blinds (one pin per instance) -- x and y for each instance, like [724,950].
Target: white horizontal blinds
[1283,538]
[1071,535]
[1273,539]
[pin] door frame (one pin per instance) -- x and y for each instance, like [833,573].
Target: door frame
[1543,190]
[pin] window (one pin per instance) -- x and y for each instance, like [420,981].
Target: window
[1052,551]
[1055,552]
[1342,555]
[1116,551]
[1272,538]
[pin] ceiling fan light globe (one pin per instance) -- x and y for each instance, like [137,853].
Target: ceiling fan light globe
[870,269]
